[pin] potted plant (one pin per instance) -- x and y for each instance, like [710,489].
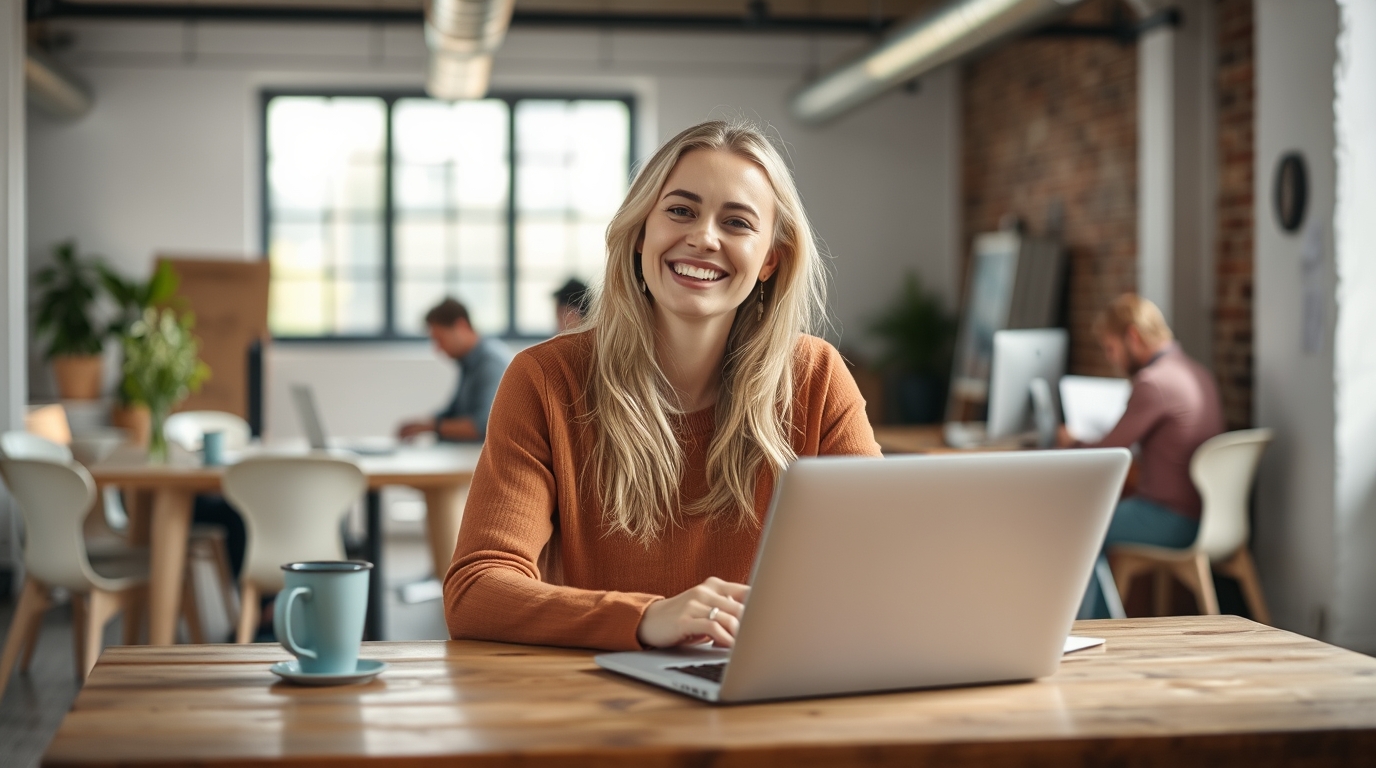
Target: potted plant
[132,298]
[161,368]
[919,337]
[67,293]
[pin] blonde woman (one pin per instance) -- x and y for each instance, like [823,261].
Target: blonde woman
[629,464]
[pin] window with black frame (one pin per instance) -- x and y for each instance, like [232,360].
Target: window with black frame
[377,206]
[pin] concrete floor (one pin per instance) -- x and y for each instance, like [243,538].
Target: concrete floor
[34,703]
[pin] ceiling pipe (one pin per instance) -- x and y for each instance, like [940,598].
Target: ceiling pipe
[462,36]
[53,90]
[926,42]
[454,77]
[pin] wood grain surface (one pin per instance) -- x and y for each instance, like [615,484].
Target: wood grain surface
[1214,690]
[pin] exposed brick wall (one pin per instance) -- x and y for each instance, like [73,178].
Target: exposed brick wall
[1050,125]
[1235,252]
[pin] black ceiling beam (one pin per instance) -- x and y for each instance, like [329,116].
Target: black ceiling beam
[756,21]
[41,10]
[682,22]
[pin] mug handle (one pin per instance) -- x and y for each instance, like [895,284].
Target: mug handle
[282,618]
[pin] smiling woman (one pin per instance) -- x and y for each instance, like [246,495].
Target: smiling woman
[628,467]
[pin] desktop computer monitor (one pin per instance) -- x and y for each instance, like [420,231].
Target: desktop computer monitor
[1023,382]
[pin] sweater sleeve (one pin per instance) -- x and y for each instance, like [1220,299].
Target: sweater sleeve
[1145,409]
[844,428]
[493,590]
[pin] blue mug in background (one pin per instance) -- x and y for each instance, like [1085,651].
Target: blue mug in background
[213,448]
[320,611]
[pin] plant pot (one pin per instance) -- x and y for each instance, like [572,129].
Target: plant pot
[135,420]
[78,376]
[914,398]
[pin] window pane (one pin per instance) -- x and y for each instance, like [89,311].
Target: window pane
[452,182]
[325,215]
[454,170]
[572,164]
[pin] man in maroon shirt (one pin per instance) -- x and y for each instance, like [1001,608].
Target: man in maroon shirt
[1173,409]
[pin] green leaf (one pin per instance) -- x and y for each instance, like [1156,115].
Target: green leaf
[918,334]
[161,359]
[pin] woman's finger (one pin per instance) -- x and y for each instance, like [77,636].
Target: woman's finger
[724,604]
[737,592]
[713,630]
[730,623]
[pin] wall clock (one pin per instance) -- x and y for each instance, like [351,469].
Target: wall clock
[1290,192]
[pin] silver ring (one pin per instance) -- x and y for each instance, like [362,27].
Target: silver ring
[712,614]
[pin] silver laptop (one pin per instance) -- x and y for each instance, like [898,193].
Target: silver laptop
[304,398]
[908,572]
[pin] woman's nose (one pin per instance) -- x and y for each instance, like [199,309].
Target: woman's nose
[704,235]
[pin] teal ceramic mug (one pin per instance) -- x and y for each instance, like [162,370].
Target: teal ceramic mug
[213,448]
[319,614]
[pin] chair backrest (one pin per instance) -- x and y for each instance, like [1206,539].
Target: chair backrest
[54,498]
[23,445]
[292,507]
[1222,469]
[189,427]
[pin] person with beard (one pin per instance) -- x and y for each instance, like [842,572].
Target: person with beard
[1173,409]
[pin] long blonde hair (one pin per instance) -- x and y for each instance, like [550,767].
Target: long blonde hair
[637,455]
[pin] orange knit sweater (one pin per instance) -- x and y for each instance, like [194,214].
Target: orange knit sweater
[535,562]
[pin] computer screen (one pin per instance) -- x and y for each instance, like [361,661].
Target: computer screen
[1021,357]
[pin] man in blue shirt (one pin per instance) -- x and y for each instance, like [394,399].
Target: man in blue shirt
[481,365]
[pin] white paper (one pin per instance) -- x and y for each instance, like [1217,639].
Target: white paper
[1075,643]
[1093,405]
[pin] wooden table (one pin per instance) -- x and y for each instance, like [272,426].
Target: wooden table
[1175,691]
[929,438]
[910,438]
[441,472]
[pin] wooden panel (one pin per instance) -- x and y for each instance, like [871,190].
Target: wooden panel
[1177,691]
[230,299]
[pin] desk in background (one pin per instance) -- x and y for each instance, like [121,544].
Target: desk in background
[441,472]
[1208,690]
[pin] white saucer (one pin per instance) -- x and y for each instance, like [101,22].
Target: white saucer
[366,670]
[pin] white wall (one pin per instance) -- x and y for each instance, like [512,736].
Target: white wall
[1177,138]
[1295,533]
[13,367]
[169,158]
[1355,346]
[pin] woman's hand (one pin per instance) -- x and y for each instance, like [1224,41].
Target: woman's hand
[710,611]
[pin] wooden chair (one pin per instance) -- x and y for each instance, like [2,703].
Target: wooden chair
[54,498]
[292,507]
[1222,469]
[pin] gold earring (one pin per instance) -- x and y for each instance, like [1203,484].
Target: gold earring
[644,288]
[759,308]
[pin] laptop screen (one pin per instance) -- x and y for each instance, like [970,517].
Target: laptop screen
[304,398]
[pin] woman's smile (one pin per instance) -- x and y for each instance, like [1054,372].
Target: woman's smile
[695,273]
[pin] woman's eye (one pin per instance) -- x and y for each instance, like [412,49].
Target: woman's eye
[739,224]
[680,210]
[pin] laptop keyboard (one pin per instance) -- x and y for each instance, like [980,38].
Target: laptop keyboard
[711,672]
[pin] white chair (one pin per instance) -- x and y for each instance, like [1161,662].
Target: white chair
[102,535]
[188,429]
[23,445]
[1222,469]
[104,540]
[54,498]
[292,507]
